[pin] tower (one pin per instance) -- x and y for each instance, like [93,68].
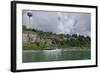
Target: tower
[29,14]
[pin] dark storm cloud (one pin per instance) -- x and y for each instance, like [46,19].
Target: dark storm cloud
[58,22]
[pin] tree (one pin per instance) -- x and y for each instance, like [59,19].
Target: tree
[24,27]
[74,35]
[68,35]
[81,38]
[88,38]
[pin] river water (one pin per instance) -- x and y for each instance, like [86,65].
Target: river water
[54,55]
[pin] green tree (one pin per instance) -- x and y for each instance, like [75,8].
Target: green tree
[24,27]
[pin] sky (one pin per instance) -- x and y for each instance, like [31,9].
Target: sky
[58,22]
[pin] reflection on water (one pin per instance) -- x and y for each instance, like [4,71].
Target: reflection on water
[55,55]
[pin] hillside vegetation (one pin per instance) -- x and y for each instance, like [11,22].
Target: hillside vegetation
[50,40]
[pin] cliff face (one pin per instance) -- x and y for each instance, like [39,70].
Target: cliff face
[35,39]
[28,36]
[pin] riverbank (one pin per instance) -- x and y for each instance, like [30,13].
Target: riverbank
[57,50]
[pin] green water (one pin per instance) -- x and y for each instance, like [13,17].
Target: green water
[55,55]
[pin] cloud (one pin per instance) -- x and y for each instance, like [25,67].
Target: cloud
[59,22]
